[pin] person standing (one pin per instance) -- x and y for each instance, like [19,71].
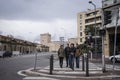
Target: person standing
[77,56]
[61,54]
[67,53]
[72,53]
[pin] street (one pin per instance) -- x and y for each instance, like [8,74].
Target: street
[10,66]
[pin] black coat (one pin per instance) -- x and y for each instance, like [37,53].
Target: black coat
[72,50]
[67,51]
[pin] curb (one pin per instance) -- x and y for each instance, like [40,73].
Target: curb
[33,73]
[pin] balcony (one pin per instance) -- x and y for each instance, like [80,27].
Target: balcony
[92,16]
[93,22]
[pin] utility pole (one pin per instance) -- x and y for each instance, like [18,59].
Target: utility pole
[115,37]
[103,33]
[90,2]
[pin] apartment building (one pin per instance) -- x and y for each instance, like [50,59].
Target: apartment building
[86,20]
[114,7]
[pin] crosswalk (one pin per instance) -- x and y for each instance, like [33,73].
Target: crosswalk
[39,78]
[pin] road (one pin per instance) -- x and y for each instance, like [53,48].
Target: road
[10,66]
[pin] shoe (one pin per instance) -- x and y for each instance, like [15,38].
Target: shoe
[77,67]
[61,66]
[72,68]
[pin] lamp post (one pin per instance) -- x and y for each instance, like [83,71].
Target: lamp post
[90,2]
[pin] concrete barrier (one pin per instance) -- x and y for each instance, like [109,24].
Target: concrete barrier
[16,53]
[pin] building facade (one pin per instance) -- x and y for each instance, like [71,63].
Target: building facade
[54,45]
[46,41]
[12,44]
[45,38]
[85,21]
[114,7]
[72,40]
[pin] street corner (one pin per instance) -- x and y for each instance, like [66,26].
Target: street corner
[67,73]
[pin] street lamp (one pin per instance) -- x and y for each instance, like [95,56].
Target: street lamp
[90,2]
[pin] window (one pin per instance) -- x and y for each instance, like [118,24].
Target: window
[80,28]
[80,21]
[80,33]
[80,39]
[80,16]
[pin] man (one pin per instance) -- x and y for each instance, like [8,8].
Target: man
[67,53]
[72,53]
[77,56]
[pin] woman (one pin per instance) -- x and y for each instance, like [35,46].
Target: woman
[77,56]
[61,54]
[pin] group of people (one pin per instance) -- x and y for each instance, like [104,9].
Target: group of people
[71,53]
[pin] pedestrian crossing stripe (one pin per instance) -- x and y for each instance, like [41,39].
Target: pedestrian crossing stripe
[39,78]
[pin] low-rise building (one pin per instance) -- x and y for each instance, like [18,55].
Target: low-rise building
[8,43]
[72,40]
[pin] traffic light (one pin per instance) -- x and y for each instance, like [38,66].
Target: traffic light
[107,17]
[102,32]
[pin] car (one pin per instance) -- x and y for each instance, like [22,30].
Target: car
[117,58]
[1,53]
[7,54]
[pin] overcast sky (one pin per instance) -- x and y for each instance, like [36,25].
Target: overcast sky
[27,19]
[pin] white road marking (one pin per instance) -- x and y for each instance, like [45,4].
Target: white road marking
[39,78]
[20,73]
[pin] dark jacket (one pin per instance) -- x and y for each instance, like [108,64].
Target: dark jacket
[67,51]
[72,50]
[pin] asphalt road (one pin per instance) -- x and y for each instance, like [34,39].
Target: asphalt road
[10,66]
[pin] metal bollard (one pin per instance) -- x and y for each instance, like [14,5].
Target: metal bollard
[87,65]
[51,64]
[83,69]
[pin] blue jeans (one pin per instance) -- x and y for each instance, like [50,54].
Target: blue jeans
[71,61]
[67,60]
[77,61]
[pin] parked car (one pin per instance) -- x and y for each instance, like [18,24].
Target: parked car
[7,54]
[117,58]
[1,53]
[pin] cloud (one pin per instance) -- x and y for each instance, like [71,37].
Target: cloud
[27,19]
[30,29]
[44,10]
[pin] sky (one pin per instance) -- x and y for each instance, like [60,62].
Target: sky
[27,19]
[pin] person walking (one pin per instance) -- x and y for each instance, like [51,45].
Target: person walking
[77,56]
[67,53]
[72,53]
[61,54]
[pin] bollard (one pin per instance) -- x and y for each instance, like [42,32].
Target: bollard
[87,65]
[83,69]
[51,64]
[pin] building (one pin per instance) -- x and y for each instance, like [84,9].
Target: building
[45,38]
[54,46]
[46,41]
[8,43]
[114,7]
[86,21]
[72,40]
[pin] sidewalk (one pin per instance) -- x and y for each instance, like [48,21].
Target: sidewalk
[95,72]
